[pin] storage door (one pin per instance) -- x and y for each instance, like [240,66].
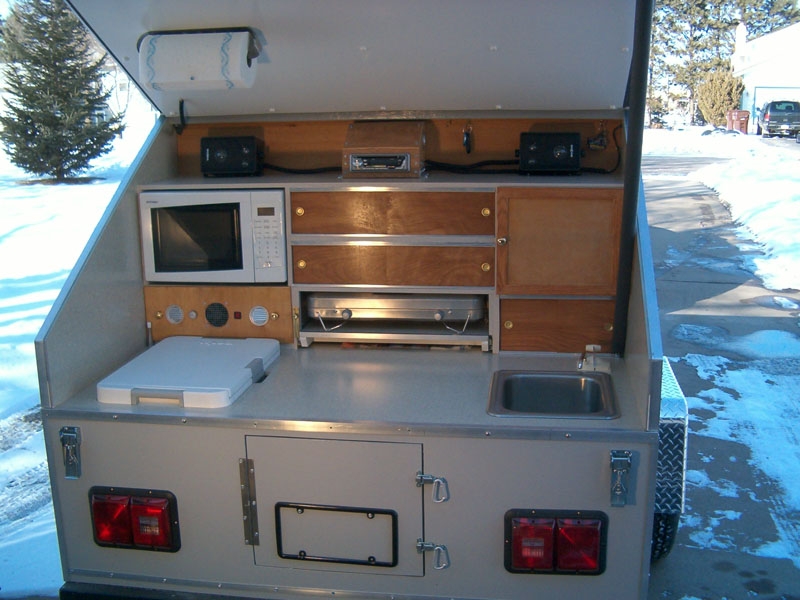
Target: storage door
[338,505]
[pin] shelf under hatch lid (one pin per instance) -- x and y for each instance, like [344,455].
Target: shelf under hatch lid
[194,372]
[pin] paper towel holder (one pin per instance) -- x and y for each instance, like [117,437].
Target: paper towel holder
[253,46]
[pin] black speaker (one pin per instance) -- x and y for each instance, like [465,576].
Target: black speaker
[550,152]
[229,156]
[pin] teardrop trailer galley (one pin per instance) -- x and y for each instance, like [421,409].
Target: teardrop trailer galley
[372,314]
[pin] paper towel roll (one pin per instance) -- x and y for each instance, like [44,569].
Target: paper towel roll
[196,61]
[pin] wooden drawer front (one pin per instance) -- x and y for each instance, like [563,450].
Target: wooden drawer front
[394,213]
[170,310]
[394,265]
[561,325]
[558,241]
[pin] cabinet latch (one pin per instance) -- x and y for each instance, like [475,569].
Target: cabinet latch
[441,557]
[71,451]
[620,474]
[441,491]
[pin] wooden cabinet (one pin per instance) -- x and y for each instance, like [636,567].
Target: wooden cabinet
[393,238]
[556,325]
[394,265]
[558,241]
[550,254]
[393,213]
[557,254]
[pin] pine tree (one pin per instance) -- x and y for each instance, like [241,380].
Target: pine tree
[53,124]
[720,93]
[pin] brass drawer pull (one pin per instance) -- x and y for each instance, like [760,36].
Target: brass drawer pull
[301,264]
[486,267]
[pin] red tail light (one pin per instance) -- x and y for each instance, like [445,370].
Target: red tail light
[151,522]
[578,545]
[141,519]
[532,541]
[111,516]
[564,542]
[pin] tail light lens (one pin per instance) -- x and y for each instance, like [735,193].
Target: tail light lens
[532,541]
[563,542]
[578,546]
[151,522]
[140,519]
[111,516]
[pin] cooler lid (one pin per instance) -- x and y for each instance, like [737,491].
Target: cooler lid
[193,372]
[383,57]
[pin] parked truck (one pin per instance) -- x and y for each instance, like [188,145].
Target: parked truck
[372,314]
[779,117]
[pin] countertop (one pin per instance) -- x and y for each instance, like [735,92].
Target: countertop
[408,390]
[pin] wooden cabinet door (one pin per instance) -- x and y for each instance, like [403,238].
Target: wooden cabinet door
[394,265]
[558,241]
[393,213]
[555,325]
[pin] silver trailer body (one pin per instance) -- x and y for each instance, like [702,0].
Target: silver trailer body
[368,462]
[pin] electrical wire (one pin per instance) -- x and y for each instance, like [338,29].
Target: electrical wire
[331,169]
[477,167]
[619,157]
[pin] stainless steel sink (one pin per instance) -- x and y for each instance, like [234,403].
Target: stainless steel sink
[578,395]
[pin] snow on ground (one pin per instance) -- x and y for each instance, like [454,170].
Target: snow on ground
[760,184]
[44,228]
[42,233]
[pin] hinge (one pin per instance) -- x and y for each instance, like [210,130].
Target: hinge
[71,451]
[440,492]
[620,472]
[247,479]
[441,557]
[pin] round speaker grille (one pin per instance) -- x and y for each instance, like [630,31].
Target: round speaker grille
[174,314]
[259,316]
[216,314]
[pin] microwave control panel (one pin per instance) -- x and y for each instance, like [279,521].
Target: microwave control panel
[269,238]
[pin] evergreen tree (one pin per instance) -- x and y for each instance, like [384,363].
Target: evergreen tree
[693,38]
[720,93]
[54,123]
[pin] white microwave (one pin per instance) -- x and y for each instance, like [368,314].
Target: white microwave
[213,236]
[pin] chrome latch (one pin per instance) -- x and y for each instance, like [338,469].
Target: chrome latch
[441,491]
[620,472]
[71,451]
[441,557]
[589,355]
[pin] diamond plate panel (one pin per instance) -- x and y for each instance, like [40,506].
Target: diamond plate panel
[673,430]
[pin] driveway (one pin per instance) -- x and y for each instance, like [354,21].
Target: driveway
[738,531]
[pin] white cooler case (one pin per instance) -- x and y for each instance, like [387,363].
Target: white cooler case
[193,372]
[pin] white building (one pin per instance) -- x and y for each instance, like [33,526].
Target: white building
[768,66]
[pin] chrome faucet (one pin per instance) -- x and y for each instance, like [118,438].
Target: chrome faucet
[587,353]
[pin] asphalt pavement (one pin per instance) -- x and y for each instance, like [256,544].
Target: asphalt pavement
[703,279]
